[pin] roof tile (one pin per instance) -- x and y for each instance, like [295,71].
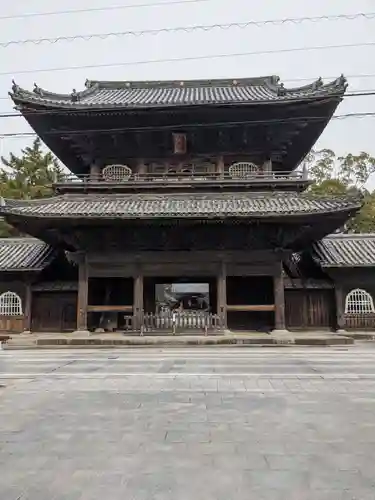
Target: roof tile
[179,206]
[346,250]
[177,93]
[24,254]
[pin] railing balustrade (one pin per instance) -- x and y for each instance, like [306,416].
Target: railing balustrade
[360,321]
[174,322]
[170,177]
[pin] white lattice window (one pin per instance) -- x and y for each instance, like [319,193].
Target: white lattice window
[116,173]
[359,302]
[243,170]
[10,304]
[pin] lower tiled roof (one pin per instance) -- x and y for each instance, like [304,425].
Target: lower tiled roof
[179,205]
[24,254]
[346,250]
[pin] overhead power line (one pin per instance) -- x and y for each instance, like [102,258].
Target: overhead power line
[26,15]
[64,111]
[187,29]
[188,58]
[191,125]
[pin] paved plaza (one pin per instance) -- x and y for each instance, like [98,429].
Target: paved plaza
[188,424]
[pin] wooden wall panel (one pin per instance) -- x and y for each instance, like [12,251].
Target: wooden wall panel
[54,311]
[11,324]
[308,308]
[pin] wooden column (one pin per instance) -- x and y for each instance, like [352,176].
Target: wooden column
[141,167]
[220,166]
[82,298]
[267,166]
[138,300]
[94,172]
[340,310]
[279,298]
[222,295]
[27,308]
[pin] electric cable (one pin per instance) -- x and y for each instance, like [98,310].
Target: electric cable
[186,29]
[188,58]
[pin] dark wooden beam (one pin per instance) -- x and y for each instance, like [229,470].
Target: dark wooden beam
[340,307]
[28,306]
[222,294]
[82,303]
[138,298]
[278,287]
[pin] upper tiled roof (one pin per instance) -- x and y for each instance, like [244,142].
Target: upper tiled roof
[214,205]
[346,250]
[102,94]
[24,254]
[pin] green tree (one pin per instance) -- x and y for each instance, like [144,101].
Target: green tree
[28,176]
[344,175]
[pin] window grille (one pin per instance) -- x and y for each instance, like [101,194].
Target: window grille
[359,302]
[242,170]
[116,173]
[10,304]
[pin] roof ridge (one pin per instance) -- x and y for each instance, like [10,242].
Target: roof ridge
[193,82]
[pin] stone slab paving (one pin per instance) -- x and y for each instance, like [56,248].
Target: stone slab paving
[188,424]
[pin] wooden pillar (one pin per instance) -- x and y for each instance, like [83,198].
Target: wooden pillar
[141,167]
[222,295]
[27,308]
[138,300]
[267,166]
[340,310]
[82,298]
[94,173]
[220,166]
[279,298]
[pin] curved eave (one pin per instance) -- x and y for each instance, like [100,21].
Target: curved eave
[24,104]
[342,213]
[275,93]
[310,226]
[22,270]
[346,266]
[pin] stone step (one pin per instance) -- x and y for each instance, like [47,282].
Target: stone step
[178,341]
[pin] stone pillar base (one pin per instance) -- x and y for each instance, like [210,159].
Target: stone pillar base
[341,331]
[80,333]
[226,331]
[281,332]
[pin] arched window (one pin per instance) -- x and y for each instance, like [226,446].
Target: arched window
[116,173]
[359,302]
[10,304]
[243,170]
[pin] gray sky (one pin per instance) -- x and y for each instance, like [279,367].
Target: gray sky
[343,136]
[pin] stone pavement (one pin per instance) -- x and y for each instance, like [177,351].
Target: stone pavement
[290,424]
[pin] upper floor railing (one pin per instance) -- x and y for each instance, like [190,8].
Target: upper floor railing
[184,177]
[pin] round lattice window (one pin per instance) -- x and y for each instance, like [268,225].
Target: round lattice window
[359,302]
[243,170]
[116,173]
[10,304]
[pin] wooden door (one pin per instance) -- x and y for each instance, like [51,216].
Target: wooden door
[54,311]
[69,315]
[310,308]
